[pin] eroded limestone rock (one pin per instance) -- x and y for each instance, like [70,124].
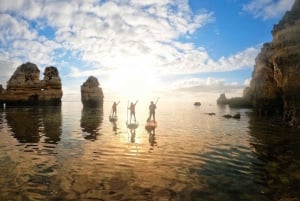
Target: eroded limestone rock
[275,82]
[25,87]
[91,93]
[222,100]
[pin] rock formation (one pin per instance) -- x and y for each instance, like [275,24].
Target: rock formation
[222,100]
[275,85]
[25,87]
[235,102]
[91,93]
[197,103]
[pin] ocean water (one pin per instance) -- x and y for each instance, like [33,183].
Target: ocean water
[73,153]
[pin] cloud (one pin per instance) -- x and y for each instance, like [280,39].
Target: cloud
[6,69]
[190,60]
[111,35]
[268,9]
[207,89]
[14,28]
[247,82]
[206,85]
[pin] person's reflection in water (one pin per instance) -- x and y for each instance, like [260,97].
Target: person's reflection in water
[132,135]
[115,127]
[52,119]
[152,139]
[24,123]
[91,120]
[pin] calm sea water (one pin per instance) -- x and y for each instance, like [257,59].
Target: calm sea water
[71,153]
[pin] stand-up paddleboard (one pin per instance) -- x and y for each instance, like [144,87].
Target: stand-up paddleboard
[113,118]
[150,125]
[132,125]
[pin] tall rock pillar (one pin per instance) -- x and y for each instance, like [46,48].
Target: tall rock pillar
[91,93]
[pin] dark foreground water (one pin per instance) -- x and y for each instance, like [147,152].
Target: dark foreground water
[71,153]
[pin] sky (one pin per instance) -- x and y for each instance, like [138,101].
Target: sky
[179,48]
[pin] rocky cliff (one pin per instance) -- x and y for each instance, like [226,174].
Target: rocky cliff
[91,93]
[25,87]
[275,84]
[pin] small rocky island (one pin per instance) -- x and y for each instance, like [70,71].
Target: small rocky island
[235,102]
[91,93]
[25,87]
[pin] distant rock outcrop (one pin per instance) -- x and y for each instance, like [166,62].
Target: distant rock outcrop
[91,93]
[222,100]
[25,87]
[275,85]
[235,102]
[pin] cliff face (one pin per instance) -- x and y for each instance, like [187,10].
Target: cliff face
[91,93]
[25,87]
[275,84]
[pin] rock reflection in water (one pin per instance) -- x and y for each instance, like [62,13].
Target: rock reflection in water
[223,167]
[91,120]
[278,146]
[29,124]
[1,117]
[52,119]
[24,123]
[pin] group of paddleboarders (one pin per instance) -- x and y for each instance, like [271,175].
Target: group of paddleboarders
[152,108]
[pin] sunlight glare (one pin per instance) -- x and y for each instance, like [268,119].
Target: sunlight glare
[135,81]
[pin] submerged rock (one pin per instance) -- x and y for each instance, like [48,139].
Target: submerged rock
[210,113]
[228,116]
[235,116]
[91,93]
[25,87]
[197,103]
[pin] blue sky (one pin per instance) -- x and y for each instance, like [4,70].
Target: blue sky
[151,46]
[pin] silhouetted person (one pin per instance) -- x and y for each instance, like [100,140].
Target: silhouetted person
[114,108]
[132,110]
[152,108]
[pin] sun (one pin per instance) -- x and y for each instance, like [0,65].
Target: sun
[133,82]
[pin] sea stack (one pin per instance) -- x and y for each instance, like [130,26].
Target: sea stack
[222,100]
[275,86]
[25,87]
[91,93]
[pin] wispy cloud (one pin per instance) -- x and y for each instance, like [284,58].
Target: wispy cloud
[268,9]
[206,85]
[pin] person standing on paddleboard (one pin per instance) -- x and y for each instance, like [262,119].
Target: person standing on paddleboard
[114,108]
[152,108]
[132,111]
